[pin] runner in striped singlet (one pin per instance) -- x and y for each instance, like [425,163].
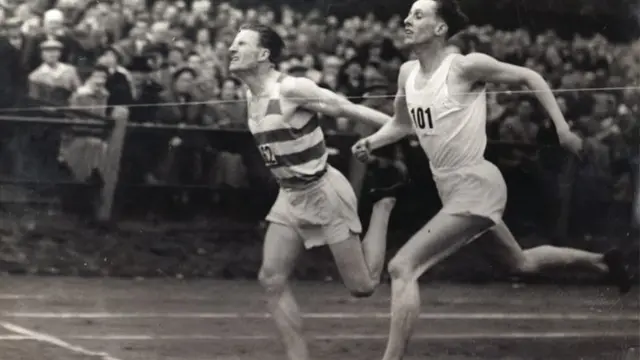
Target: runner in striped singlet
[316,205]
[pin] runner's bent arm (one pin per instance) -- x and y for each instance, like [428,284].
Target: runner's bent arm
[477,67]
[400,125]
[397,128]
[310,96]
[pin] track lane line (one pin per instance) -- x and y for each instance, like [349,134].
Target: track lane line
[351,337]
[327,315]
[52,340]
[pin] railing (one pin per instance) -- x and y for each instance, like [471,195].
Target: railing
[240,141]
[113,131]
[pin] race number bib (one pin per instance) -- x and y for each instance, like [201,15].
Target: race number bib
[268,155]
[422,120]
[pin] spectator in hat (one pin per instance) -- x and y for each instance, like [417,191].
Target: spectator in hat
[53,81]
[53,23]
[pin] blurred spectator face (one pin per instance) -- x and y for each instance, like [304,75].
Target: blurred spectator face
[330,79]
[332,21]
[267,18]
[184,83]
[375,52]
[309,61]
[422,23]
[177,34]
[553,57]
[251,16]
[158,10]
[32,26]
[601,107]
[525,109]
[109,59]
[221,48]
[394,23]
[103,10]
[171,14]
[160,31]
[332,65]
[175,57]
[350,53]
[14,34]
[245,52]
[371,72]
[201,7]
[601,77]
[589,79]
[356,22]
[203,37]
[51,56]
[194,61]
[302,42]
[140,30]
[136,5]
[354,71]
[287,20]
[53,21]
[181,5]
[229,90]
[98,79]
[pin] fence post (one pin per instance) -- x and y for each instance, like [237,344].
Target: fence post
[567,180]
[111,169]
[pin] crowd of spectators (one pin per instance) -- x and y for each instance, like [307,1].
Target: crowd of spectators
[165,62]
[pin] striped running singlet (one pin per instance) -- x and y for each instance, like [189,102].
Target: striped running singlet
[289,139]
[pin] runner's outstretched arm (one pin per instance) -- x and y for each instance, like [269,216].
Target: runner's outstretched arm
[312,97]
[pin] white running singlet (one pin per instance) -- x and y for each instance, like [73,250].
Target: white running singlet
[453,136]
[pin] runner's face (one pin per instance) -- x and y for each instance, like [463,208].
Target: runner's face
[422,24]
[245,51]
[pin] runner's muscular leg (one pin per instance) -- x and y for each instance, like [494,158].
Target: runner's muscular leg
[500,242]
[442,236]
[360,263]
[282,247]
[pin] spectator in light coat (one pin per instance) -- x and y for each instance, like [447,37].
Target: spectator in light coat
[53,81]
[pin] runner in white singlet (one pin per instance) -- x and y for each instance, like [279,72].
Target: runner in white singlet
[316,205]
[441,98]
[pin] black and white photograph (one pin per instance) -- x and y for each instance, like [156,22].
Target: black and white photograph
[319,180]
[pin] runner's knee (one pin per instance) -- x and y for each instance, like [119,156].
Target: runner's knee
[363,290]
[528,264]
[272,280]
[401,269]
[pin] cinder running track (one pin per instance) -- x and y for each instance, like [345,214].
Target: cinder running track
[80,319]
